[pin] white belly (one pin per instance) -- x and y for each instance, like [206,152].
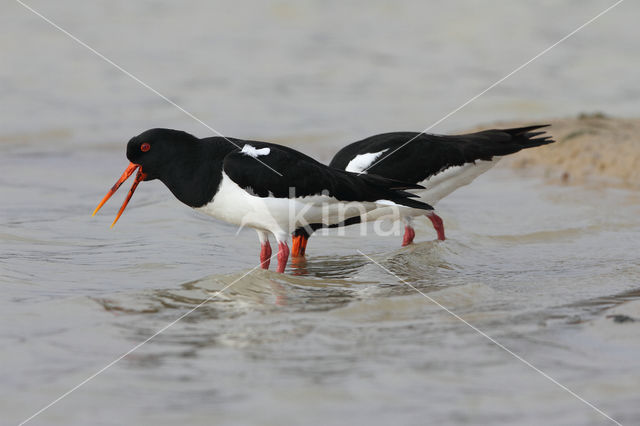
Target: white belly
[444,183]
[280,216]
[436,188]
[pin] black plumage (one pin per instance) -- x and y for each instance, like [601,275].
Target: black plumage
[414,157]
[192,169]
[228,178]
[300,175]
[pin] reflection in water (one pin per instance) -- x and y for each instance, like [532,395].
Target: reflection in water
[298,266]
[321,283]
[318,283]
[327,267]
[289,339]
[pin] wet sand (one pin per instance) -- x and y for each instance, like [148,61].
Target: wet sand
[592,149]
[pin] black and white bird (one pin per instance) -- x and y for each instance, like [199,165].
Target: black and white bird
[271,188]
[439,163]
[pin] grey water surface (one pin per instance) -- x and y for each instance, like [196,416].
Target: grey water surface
[551,272]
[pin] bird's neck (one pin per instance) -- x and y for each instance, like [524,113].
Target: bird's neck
[194,177]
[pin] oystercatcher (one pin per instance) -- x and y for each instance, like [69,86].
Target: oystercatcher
[271,188]
[440,163]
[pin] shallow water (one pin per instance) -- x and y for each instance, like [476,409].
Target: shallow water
[549,271]
[534,266]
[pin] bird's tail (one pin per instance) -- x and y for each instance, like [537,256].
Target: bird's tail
[522,137]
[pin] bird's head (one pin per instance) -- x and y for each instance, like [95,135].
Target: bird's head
[155,150]
[152,154]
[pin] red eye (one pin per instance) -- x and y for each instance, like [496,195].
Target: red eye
[145,147]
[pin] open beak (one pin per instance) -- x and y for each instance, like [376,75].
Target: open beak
[126,175]
[299,245]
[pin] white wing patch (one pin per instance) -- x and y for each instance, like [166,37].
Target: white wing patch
[362,161]
[255,153]
[386,203]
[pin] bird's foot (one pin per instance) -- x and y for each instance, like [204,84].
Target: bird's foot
[265,255]
[438,225]
[283,256]
[409,235]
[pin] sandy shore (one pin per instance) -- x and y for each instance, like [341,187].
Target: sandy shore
[588,149]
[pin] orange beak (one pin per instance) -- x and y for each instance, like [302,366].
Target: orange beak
[299,246]
[127,173]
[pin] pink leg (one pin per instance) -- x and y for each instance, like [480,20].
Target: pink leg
[265,255]
[437,225]
[283,256]
[409,235]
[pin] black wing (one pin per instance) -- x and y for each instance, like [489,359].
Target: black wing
[427,154]
[300,175]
